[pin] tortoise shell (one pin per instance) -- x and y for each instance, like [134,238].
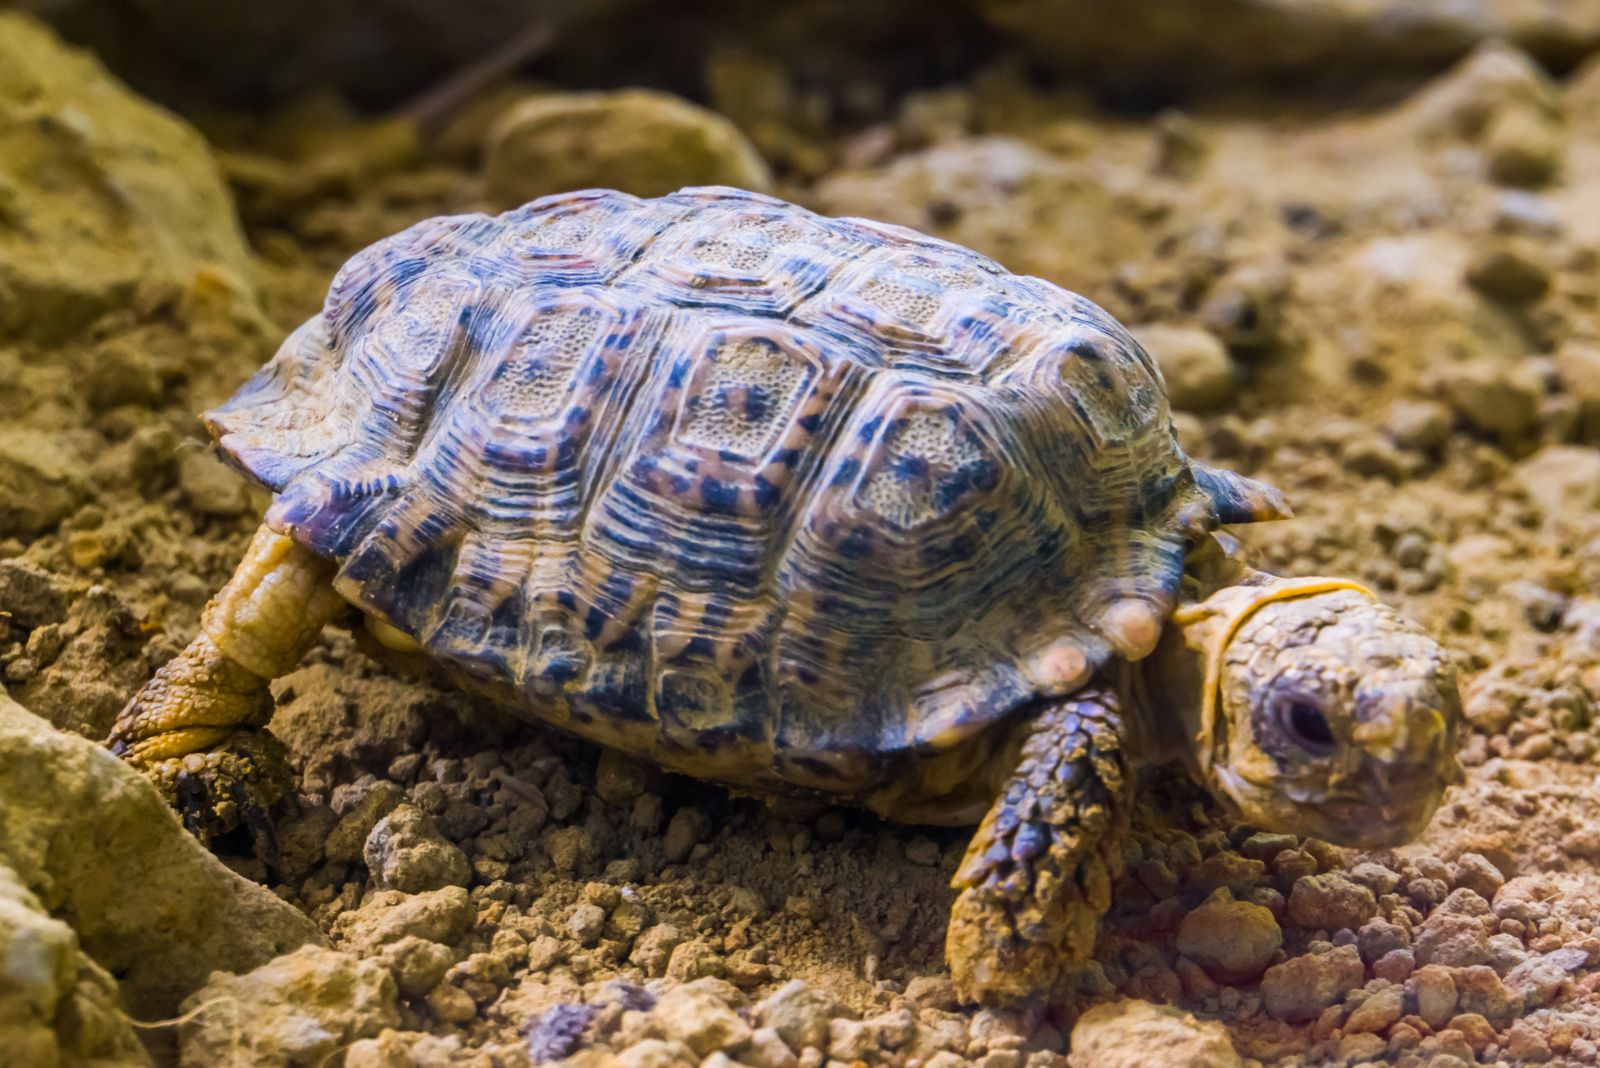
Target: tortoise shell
[768,497]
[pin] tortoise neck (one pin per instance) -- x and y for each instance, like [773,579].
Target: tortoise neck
[1162,698]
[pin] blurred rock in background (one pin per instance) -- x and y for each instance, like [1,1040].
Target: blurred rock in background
[382,51]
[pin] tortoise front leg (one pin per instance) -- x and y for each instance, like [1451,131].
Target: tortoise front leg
[1037,875]
[197,727]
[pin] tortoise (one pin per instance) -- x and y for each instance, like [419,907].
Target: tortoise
[799,505]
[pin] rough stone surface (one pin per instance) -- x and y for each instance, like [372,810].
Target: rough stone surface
[1479,990]
[1131,1034]
[799,1014]
[1149,43]
[700,1020]
[641,142]
[57,1007]
[1331,902]
[1199,373]
[1452,939]
[41,481]
[1433,989]
[301,1008]
[136,197]
[406,852]
[1233,941]
[93,840]
[1300,988]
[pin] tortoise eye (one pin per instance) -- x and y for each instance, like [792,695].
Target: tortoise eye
[1306,724]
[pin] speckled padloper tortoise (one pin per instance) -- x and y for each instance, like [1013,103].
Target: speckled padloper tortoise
[796,503]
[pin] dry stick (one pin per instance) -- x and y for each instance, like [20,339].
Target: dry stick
[195,1013]
[444,101]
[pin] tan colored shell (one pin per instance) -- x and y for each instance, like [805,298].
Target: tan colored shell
[768,497]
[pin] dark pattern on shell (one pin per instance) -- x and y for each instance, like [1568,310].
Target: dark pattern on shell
[766,496]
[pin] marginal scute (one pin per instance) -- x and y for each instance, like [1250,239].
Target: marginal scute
[765,496]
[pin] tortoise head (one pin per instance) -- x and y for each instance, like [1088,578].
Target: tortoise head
[1325,712]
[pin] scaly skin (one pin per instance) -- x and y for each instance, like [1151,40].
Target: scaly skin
[1037,875]
[197,727]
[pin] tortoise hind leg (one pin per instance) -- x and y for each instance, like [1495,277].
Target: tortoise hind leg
[197,728]
[1037,875]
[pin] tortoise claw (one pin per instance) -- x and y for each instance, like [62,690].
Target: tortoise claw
[234,786]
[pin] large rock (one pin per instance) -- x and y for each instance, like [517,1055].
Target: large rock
[57,1007]
[93,840]
[1163,44]
[1132,1034]
[101,193]
[641,142]
[301,1009]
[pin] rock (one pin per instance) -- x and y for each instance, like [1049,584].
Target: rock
[1452,939]
[1133,1034]
[1375,877]
[586,923]
[1563,480]
[1433,991]
[1506,952]
[93,840]
[1418,424]
[770,1051]
[451,1004]
[700,1020]
[1377,1012]
[1479,990]
[1148,44]
[41,481]
[1524,148]
[416,964]
[444,915]
[1233,941]
[639,141]
[1577,368]
[1526,1045]
[1301,987]
[1198,371]
[1495,397]
[406,852]
[1510,272]
[1396,965]
[1360,1048]
[620,780]
[348,838]
[56,1005]
[1494,83]
[210,487]
[1475,873]
[654,1053]
[652,950]
[1331,902]
[1378,937]
[299,1009]
[1541,980]
[799,1014]
[687,828]
[134,198]
[402,1049]
[32,596]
